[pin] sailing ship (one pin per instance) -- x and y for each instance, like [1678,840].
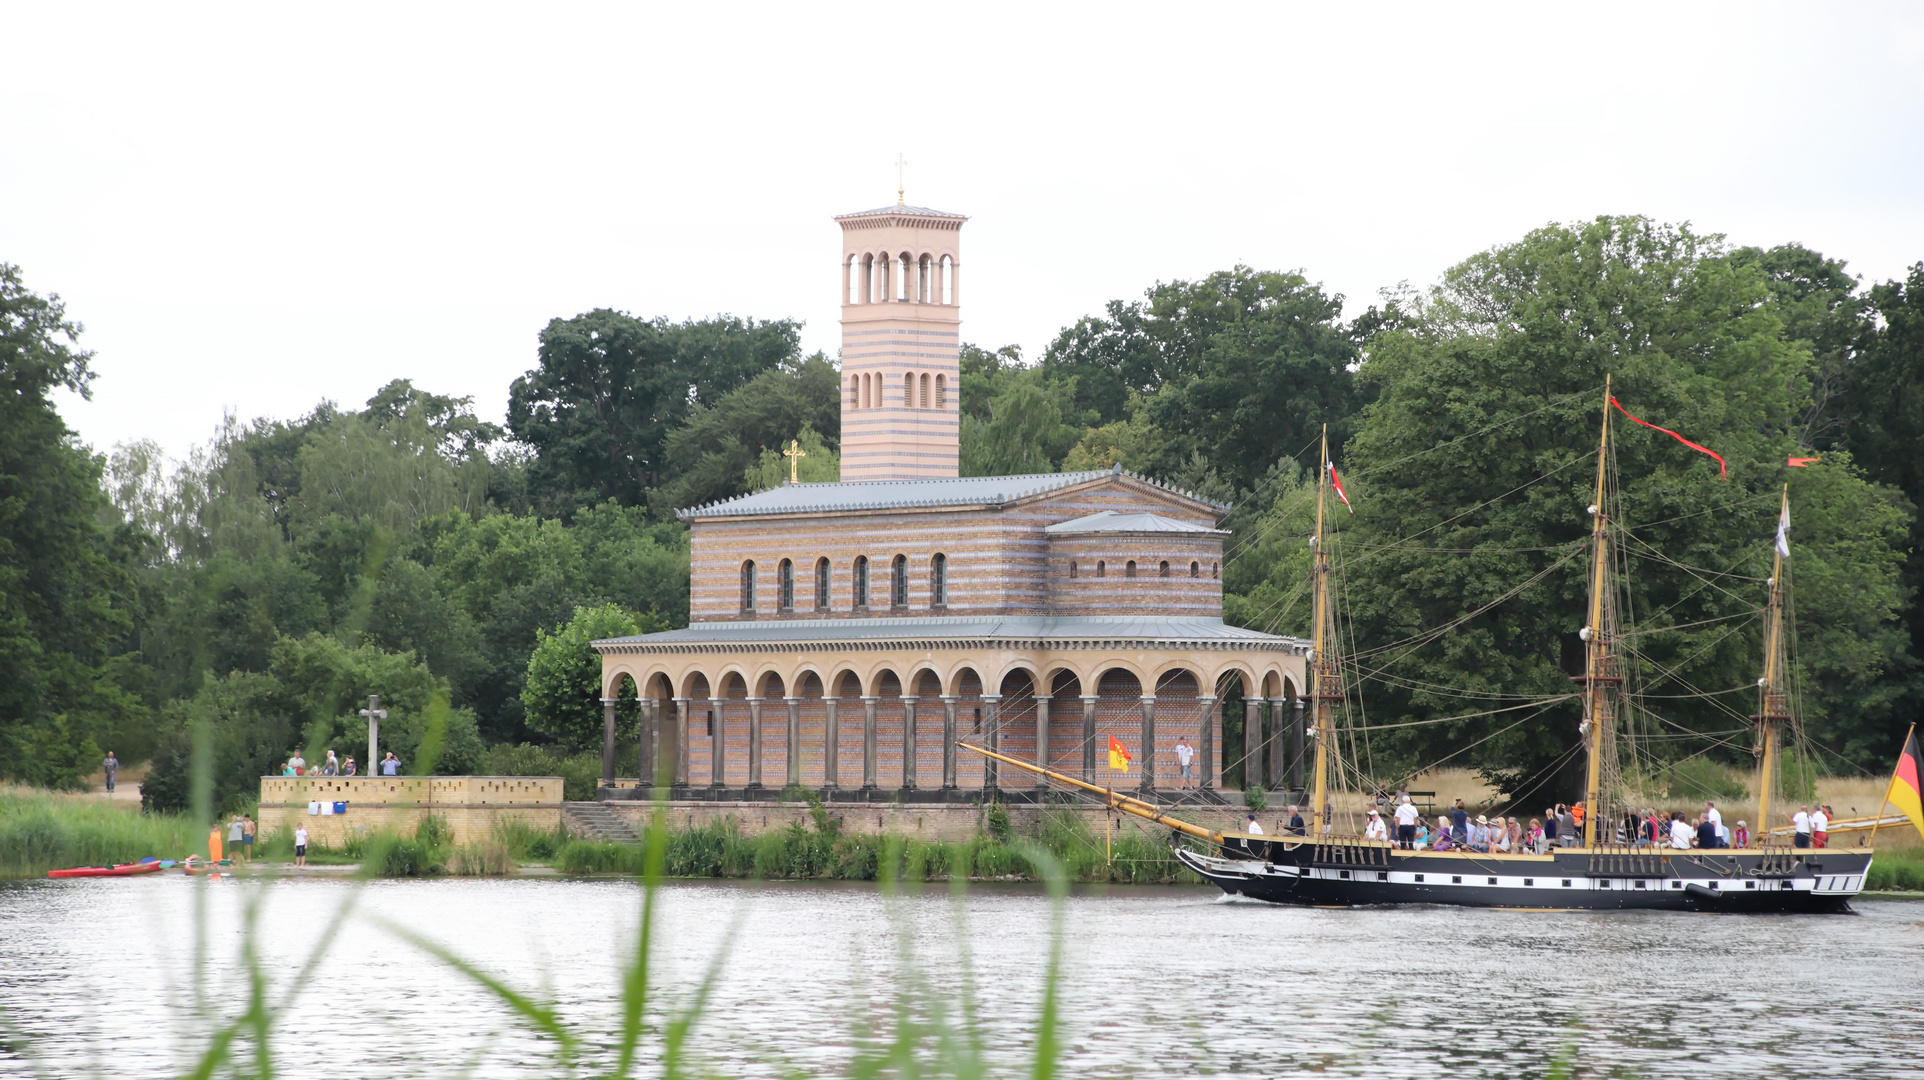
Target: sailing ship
[1600,868]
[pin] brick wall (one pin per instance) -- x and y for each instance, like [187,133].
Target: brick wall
[471,805]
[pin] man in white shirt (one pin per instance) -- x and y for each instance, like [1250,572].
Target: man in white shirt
[1715,816]
[1252,828]
[1819,828]
[1800,821]
[1680,833]
[1406,824]
[300,846]
[1183,753]
[1375,830]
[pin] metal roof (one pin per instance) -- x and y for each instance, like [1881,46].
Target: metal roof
[992,491]
[1001,629]
[898,208]
[1110,521]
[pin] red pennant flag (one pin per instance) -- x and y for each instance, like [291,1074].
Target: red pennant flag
[1337,482]
[1799,462]
[1723,470]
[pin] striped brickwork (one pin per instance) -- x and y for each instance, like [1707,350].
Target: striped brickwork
[998,561]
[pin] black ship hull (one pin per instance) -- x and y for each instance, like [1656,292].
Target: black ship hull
[1606,879]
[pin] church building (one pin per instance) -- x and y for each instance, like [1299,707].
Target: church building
[844,637]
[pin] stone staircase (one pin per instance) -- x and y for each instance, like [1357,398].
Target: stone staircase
[594,821]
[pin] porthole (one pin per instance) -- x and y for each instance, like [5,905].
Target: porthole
[1493,881]
[1530,881]
[1419,877]
[1566,883]
[1456,880]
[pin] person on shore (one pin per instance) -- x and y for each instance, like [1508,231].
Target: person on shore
[236,838]
[1679,832]
[1459,824]
[390,765]
[332,766]
[1445,835]
[1741,838]
[1184,752]
[1296,825]
[299,763]
[111,767]
[348,769]
[288,769]
[1252,826]
[300,846]
[1375,829]
[1406,816]
[1820,826]
[247,838]
[1800,825]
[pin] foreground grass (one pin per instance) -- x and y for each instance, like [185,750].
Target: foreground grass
[42,831]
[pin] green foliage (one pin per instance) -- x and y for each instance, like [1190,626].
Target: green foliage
[1254,798]
[580,771]
[1699,778]
[821,465]
[1013,417]
[714,454]
[41,832]
[524,842]
[563,689]
[997,821]
[1902,869]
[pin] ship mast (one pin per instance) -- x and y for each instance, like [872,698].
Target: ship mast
[1325,684]
[1775,706]
[1602,671]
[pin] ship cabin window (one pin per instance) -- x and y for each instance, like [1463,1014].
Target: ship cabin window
[899,581]
[1382,875]
[1640,884]
[787,579]
[1750,884]
[1129,571]
[1493,881]
[821,584]
[748,586]
[1344,874]
[861,582]
[1676,884]
[939,580]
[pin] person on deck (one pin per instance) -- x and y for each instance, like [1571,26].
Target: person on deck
[1422,838]
[1566,827]
[1252,826]
[1459,824]
[1576,818]
[1375,829]
[1820,826]
[1406,816]
[1444,835]
[1480,834]
[1679,832]
[1707,833]
[1800,825]
[1516,835]
[1741,838]
[1500,837]
[1711,812]
[1535,836]
[1296,825]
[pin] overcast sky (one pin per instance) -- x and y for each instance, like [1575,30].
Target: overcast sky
[257,207]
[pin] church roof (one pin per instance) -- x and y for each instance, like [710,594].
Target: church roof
[903,211]
[990,491]
[1109,521]
[1164,631]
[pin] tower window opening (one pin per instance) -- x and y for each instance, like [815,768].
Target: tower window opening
[1216,571]
[948,281]
[938,578]
[941,391]
[786,578]
[851,281]
[1195,569]
[1072,569]
[1129,571]
[861,582]
[1102,568]
[1163,569]
[854,391]
[748,586]
[899,581]
[925,390]
[868,279]
[821,584]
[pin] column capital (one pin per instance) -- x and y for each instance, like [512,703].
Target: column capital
[1092,697]
[997,698]
[870,700]
[1044,697]
[1205,697]
[611,701]
[754,700]
[950,699]
[681,700]
[1150,698]
[910,698]
[793,700]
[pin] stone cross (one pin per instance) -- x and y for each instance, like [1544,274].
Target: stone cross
[794,454]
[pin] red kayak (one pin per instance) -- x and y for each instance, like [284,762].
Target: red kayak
[122,870]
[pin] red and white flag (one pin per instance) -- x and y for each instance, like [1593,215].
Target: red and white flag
[1337,483]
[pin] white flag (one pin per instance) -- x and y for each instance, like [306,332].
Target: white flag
[1783,532]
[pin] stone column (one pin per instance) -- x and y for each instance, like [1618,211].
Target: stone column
[831,746]
[1041,737]
[681,740]
[794,778]
[1089,737]
[717,744]
[1296,746]
[992,735]
[754,742]
[948,742]
[608,741]
[1206,750]
[1148,742]
[1278,746]
[1252,744]
[908,742]
[868,741]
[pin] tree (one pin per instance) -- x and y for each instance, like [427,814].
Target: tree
[1471,469]
[710,453]
[820,464]
[63,590]
[610,389]
[563,688]
[1012,416]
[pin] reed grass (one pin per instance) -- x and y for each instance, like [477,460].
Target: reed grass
[42,831]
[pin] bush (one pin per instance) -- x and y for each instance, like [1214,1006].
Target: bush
[1697,779]
[1896,870]
[1254,798]
[40,832]
[580,772]
[525,842]
[598,857]
[487,858]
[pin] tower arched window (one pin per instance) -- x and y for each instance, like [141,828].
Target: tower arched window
[821,584]
[861,582]
[941,391]
[1216,571]
[1162,570]
[1072,569]
[948,281]
[899,582]
[786,577]
[924,397]
[939,580]
[748,585]
[868,279]
[1129,571]
[1102,568]
[1195,569]
[852,280]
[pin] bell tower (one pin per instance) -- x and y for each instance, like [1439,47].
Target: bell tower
[901,343]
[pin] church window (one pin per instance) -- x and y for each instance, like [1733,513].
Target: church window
[1163,570]
[1195,569]
[1102,568]
[948,281]
[854,392]
[787,578]
[938,578]
[748,585]
[899,582]
[1216,570]
[852,281]
[821,584]
[861,582]
[1129,571]
[923,400]
[1072,569]
[941,391]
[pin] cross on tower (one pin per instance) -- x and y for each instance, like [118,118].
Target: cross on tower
[794,454]
[901,189]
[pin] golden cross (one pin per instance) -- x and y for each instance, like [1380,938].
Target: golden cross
[794,454]
[901,189]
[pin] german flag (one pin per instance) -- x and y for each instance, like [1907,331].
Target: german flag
[1119,760]
[1905,793]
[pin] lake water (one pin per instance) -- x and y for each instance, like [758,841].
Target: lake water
[97,978]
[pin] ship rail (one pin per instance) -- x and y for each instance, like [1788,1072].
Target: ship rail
[1625,861]
[1349,851]
[1778,861]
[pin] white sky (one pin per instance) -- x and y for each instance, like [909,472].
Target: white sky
[256,209]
